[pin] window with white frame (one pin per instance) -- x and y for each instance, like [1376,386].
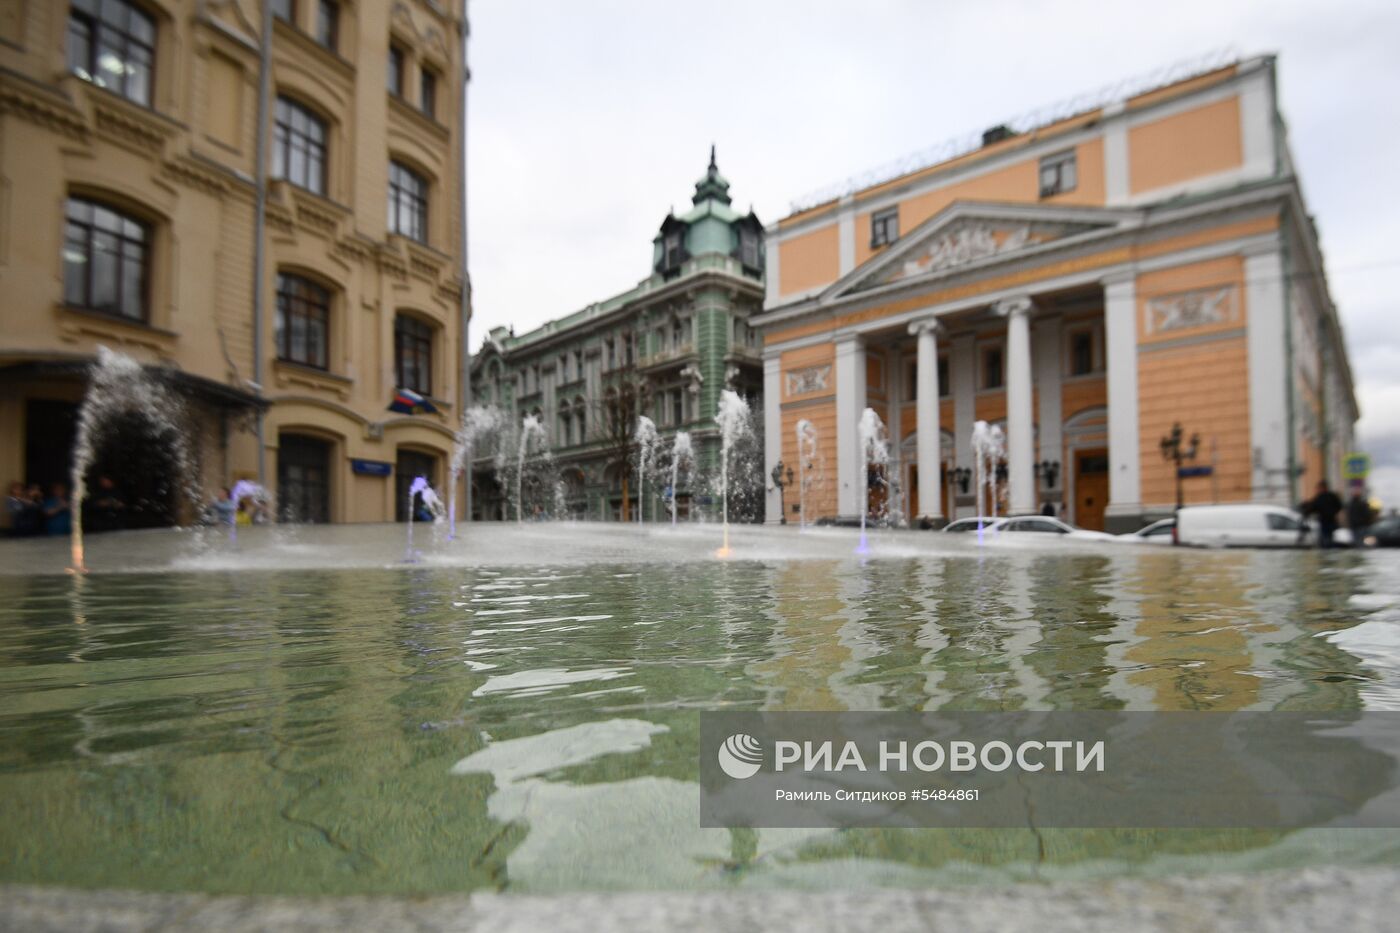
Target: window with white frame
[1058,173]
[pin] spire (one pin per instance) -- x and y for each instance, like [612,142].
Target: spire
[713,185]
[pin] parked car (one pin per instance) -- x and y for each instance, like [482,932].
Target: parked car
[1247,525]
[1159,532]
[1040,524]
[1384,532]
[971,524]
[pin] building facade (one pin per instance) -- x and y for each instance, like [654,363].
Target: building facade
[1086,284]
[664,349]
[128,209]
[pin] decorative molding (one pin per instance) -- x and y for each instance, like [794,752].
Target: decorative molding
[1202,307]
[129,125]
[809,379]
[41,107]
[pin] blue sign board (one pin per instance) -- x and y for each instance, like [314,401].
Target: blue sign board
[371,467]
[1188,472]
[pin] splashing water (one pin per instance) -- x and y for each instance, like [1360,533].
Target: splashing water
[647,440]
[875,451]
[477,422]
[988,449]
[806,459]
[681,452]
[734,423]
[119,386]
[529,427]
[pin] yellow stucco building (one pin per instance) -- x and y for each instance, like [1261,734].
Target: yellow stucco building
[128,208]
[1085,282]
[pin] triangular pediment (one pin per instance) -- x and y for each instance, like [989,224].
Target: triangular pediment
[969,234]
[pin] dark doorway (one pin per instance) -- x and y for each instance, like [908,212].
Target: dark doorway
[303,479]
[49,429]
[411,465]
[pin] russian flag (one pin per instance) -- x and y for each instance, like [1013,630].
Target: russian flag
[408,402]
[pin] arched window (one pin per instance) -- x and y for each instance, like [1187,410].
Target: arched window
[408,202]
[413,354]
[112,43]
[581,416]
[565,426]
[303,321]
[106,260]
[299,146]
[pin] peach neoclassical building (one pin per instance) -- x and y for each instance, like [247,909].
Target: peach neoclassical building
[1086,284]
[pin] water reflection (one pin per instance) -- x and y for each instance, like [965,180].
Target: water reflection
[534,727]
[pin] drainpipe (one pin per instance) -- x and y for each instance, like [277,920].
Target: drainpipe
[464,381]
[260,222]
[1289,375]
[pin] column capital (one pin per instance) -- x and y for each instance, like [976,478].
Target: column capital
[1013,307]
[931,324]
[1121,277]
[848,342]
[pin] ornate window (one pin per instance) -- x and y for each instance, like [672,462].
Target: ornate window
[327,23]
[884,227]
[749,253]
[303,321]
[408,202]
[427,97]
[1058,173]
[299,146]
[106,256]
[395,74]
[413,354]
[112,44]
[992,375]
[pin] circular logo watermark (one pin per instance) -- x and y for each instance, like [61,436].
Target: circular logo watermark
[740,756]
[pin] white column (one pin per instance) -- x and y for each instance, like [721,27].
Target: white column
[1120,353]
[772,431]
[1049,364]
[926,421]
[962,378]
[846,235]
[1020,417]
[850,402]
[1267,351]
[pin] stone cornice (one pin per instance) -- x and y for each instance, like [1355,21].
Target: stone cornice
[41,105]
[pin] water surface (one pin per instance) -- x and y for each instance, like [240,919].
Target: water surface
[302,712]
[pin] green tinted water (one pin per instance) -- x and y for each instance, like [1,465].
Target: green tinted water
[297,731]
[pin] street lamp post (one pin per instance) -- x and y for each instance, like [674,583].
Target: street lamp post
[782,478]
[1175,452]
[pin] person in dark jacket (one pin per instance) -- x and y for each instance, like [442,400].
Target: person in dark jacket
[1359,518]
[1326,505]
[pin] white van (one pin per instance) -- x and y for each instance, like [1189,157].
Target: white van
[1242,526]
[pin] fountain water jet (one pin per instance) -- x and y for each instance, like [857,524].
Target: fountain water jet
[734,423]
[875,451]
[647,439]
[681,450]
[806,457]
[529,427]
[988,448]
[477,421]
[118,385]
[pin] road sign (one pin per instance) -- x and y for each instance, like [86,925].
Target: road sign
[1356,466]
[1188,472]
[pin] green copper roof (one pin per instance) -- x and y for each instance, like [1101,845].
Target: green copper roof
[713,186]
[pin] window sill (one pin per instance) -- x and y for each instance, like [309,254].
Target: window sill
[290,373]
[397,104]
[77,323]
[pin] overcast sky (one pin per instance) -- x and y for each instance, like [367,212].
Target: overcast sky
[589,121]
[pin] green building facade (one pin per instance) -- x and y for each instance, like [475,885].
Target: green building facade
[665,349]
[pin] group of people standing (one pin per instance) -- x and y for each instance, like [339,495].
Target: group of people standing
[1328,508]
[34,513]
